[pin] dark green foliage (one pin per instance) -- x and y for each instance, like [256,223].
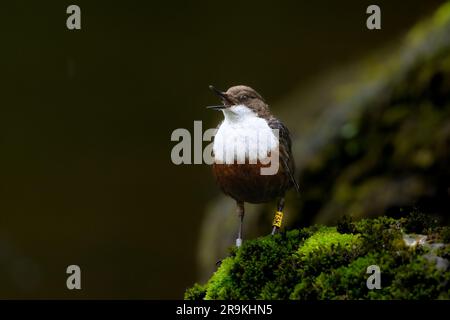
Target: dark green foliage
[383,233]
[445,234]
[419,222]
[197,292]
[345,225]
[322,263]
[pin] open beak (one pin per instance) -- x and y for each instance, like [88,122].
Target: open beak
[218,108]
[223,96]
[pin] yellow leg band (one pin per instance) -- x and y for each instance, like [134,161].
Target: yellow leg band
[277,219]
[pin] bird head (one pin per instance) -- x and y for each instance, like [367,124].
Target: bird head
[239,101]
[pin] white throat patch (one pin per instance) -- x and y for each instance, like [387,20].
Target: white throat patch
[243,137]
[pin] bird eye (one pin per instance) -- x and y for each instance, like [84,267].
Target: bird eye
[243,97]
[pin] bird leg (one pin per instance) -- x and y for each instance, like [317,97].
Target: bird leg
[240,212]
[276,224]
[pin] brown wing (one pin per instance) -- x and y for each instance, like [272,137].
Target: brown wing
[287,160]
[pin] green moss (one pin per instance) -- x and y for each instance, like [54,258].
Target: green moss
[345,225]
[325,240]
[445,234]
[220,284]
[348,282]
[325,249]
[383,233]
[419,222]
[423,280]
[324,263]
[197,292]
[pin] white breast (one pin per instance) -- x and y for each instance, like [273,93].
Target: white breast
[243,137]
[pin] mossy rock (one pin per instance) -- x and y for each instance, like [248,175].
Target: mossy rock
[369,139]
[331,263]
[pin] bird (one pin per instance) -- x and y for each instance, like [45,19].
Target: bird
[246,139]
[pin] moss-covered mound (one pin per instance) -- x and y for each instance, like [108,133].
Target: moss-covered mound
[331,263]
[369,139]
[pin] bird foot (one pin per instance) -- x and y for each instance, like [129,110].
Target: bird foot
[274,231]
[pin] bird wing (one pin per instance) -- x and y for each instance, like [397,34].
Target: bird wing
[287,160]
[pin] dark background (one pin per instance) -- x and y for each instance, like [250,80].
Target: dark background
[86,117]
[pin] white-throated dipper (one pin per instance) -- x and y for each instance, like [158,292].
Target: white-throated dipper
[245,140]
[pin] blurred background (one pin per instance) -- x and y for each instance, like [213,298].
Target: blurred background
[86,118]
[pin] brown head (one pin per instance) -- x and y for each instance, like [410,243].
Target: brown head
[242,96]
